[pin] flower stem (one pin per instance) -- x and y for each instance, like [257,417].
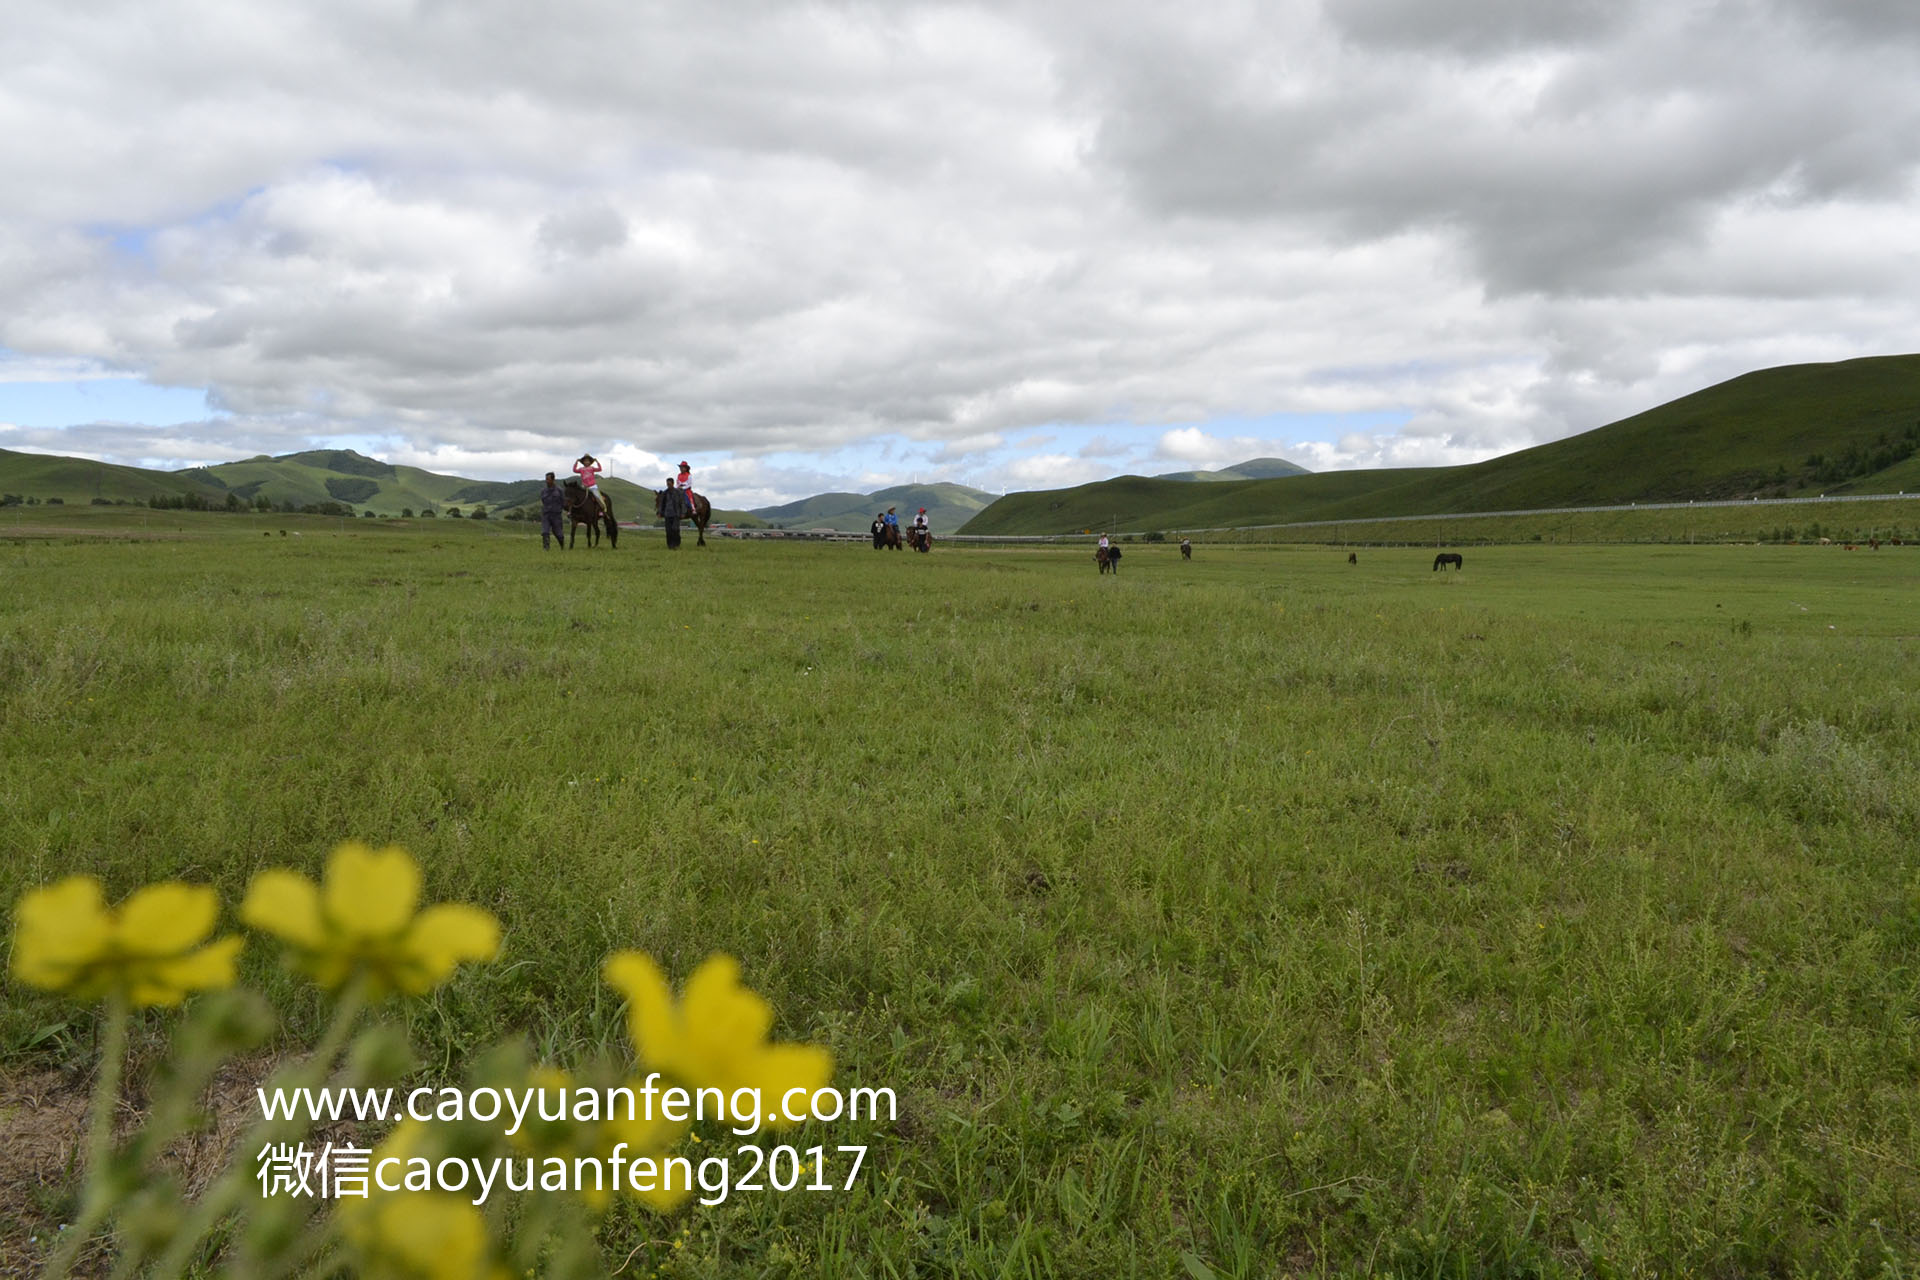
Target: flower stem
[223,1194]
[97,1193]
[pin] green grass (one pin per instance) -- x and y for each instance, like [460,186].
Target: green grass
[1254,915]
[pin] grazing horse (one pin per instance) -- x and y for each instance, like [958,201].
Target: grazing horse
[1448,558]
[701,514]
[583,510]
[1108,558]
[1353,557]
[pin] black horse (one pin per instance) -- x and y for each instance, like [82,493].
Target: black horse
[1448,558]
[671,506]
[583,510]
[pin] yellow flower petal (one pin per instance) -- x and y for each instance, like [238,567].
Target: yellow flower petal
[442,938]
[166,919]
[57,929]
[369,894]
[167,982]
[651,1019]
[287,905]
[781,1067]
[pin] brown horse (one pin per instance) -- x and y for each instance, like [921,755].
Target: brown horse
[583,510]
[920,539]
[1108,558]
[701,515]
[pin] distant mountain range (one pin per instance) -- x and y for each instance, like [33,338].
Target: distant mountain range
[1252,469]
[948,507]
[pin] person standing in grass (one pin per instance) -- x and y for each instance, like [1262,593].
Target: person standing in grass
[879,531]
[672,507]
[553,501]
[588,468]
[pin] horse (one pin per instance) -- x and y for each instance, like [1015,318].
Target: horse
[1353,557]
[701,514]
[1186,549]
[920,539]
[890,536]
[583,510]
[1448,558]
[1108,558]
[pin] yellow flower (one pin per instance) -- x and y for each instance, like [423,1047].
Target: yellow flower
[418,1235]
[572,1139]
[147,949]
[362,920]
[716,1037]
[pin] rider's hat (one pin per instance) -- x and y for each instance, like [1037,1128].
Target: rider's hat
[923,511]
[685,467]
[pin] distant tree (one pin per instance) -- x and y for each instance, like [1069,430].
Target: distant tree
[234,503]
[11,500]
[366,515]
[56,502]
[453,513]
[479,513]
[406,513]
[102,502]
[426,513]
[32,501]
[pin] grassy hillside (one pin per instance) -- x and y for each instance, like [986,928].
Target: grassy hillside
[1795,431]
[310,478]
[948,506]
[80,480]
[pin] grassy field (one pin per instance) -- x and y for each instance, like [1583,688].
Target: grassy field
[1758,522]
[1253,916]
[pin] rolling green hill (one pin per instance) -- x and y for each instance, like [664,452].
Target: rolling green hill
[80,480]
[948,507]
[295,480]
[1794,431]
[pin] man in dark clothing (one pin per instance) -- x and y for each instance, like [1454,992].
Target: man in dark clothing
[553,502]
[879,533]
[672,510]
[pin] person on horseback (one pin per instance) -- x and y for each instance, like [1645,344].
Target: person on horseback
[921,534]
[588,468]
[685,483]
[892,523]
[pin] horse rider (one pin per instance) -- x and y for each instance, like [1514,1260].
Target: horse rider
[686,487]
[920,529]
[588,468]
[892,522]
[553,501]
[1104,544]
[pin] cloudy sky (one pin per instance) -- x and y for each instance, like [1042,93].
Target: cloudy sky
[842,245]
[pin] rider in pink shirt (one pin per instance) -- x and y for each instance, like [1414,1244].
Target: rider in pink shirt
[588,468]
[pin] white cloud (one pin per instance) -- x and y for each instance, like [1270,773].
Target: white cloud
[496,236]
